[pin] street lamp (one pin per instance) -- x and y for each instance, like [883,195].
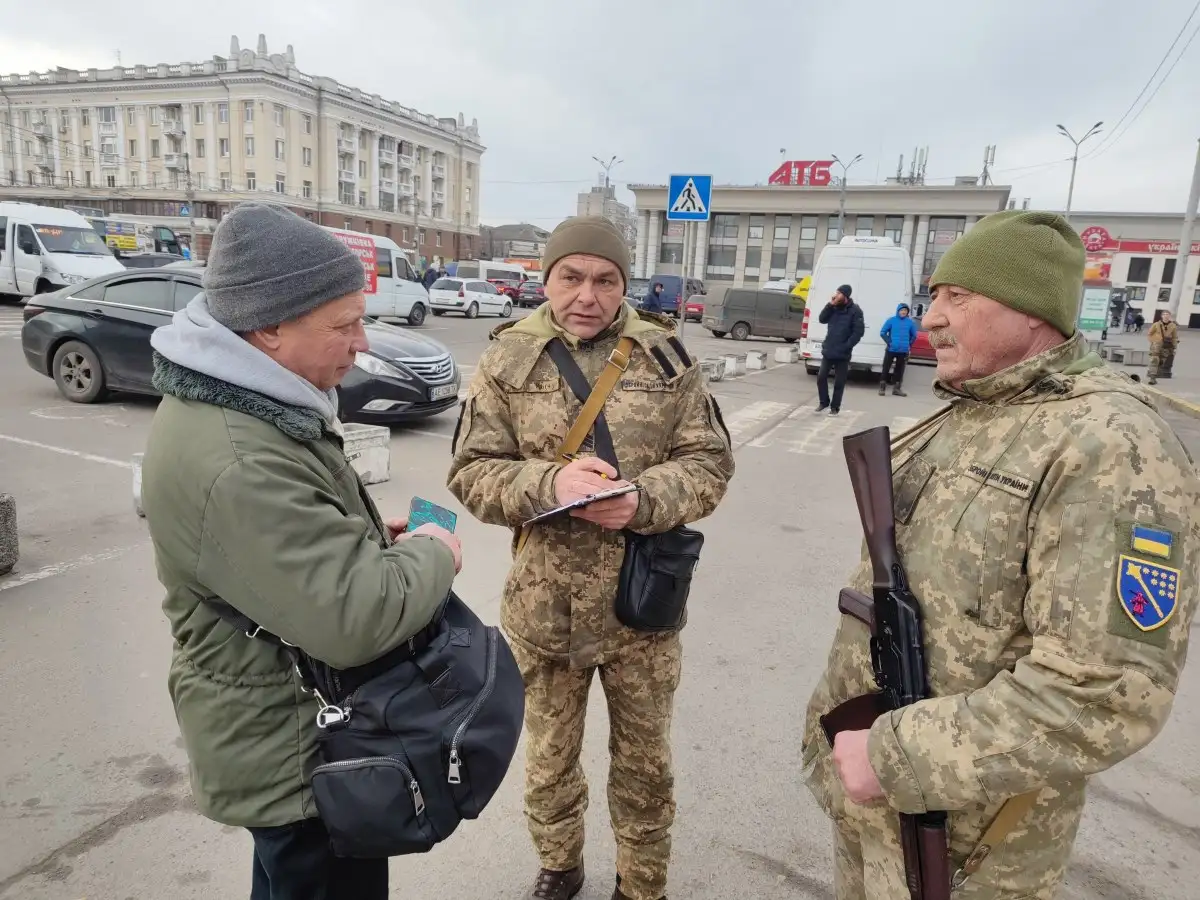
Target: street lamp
[607,166]
[842,202]
[1075,159]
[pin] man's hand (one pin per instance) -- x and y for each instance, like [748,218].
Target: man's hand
[395,527]
[854,767]
[449,538]
[613,514]
[582,477]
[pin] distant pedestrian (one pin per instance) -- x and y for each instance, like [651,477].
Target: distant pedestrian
[431,275]
[900,332]
[845,320]
[652,302]
[1164,338]
[1138,321]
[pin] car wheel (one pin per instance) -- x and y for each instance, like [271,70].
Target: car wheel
[416,315]
[439,312]
[740,331]
[811,370]
[77,373]
[507,311]
[472,311]
[789,340]
[719,334]
[43,287]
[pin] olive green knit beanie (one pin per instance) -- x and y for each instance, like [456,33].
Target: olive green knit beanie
[1029,261]
[593,235]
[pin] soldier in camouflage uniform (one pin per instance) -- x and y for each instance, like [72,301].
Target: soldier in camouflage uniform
[1164,338]
[558,600]
[1047,518]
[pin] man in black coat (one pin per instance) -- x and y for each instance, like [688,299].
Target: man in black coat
[845,320]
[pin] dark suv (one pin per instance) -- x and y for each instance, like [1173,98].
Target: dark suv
[532,293]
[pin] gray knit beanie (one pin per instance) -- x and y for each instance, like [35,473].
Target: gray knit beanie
[268,265]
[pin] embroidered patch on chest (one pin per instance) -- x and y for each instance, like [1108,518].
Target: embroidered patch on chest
[1005,481]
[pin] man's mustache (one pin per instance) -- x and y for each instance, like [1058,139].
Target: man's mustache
[941,338]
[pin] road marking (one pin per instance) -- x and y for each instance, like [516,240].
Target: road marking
[90,457]
[902,423]
[808,432]
[436,434]
[75,413]
[60,568]
[742,423]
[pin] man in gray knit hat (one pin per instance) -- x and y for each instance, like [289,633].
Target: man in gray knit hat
[250,501]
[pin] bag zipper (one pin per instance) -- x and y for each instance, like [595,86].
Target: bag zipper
[489,684]
[362,762]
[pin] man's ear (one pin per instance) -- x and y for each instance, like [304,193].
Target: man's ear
[265,338]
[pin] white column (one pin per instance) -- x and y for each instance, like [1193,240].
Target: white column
[906,233]
[77,149]
[700,250]
[918,259]
[654,242]
[373,168]
[122,148]
[971,220]
[643,240]
[56,139]
[143,157]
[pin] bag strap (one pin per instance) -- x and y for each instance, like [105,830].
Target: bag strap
[578,383]
[618,362]
[1006,820]
[252,629]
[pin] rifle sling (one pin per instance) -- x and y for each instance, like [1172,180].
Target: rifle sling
[1009,816]
[618,362]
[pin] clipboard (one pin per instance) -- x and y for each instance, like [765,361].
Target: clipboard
[582,502]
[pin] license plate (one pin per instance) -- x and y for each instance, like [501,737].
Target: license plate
[443,391]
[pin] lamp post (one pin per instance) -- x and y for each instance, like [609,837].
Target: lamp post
[1095,129]
[607,167]
[842,201]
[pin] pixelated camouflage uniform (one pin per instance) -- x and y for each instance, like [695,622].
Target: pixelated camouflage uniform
[557,606]
[1164,338]
[1012,516]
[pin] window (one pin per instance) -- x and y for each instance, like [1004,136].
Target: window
[64,116]
[279,150]
[130,116]
[133,178]
[833,234]
[1168,275]
[223,113]
[383,262]
[226,182]
[779,262]
[197,113]
[1139,269]
[87,178]
[85,117]
[893,227]
[110,180]
[184,292]
[223,147]
[154,148]
[1164,295]
[362,168]
[753,262]
[248,111]
[467,194]
[783,229]
[306,156]
[438,241]
[154,115]
[279,120]
[808,231]
[108,115]
[87,149]
[804,262]
[308,124]
[1135,294]
[132,147]
[724,227]
[864,225]
[308,190]
[1196,299]
[251,182]
[200,148]
[362,198]
[280,184]
[148,293]
[153,179]
[198,177]
[670,253]
[250,145]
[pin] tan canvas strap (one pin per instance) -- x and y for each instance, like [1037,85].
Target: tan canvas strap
[618,362]
[1009,816]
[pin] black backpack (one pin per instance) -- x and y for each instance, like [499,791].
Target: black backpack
[415,742]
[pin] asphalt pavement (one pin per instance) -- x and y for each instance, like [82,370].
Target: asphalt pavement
[94,800]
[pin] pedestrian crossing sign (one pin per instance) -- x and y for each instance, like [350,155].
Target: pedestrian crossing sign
[689,198]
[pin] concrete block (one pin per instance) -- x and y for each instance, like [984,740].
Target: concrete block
[1137,357]
[137,484]
[787,354]
[8,533]
[756,360]
[713,369]
[735,364]
[369,450]
[1116,354]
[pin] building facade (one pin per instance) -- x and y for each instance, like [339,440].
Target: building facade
[602,201]
[181,144]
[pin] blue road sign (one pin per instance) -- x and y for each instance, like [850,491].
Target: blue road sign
[689,198]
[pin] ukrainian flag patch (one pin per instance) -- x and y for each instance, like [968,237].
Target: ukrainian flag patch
[1152,541]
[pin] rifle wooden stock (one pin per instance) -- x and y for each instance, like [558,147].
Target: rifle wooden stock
[869,458]
[856,714]
[858,606]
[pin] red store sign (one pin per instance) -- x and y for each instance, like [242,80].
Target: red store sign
[364,249]
[803,172]
[1097,237]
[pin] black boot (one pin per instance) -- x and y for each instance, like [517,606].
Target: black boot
[898,392]
[882,388]
[551,885]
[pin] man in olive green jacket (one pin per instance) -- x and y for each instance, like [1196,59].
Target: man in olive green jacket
[250,500]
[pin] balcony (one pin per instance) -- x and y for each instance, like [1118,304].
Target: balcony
[346,145]
[404,188]
[348,175]
[439,171]
[387,184]
[172,128]
[108,160]
[387,156]
[41,129]
[107,128]
[439,196]
[46,164]
[172,160]
[405,162]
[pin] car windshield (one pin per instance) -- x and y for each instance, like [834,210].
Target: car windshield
[63,239]
[446,284]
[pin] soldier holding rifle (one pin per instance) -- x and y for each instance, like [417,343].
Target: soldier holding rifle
[1029,621]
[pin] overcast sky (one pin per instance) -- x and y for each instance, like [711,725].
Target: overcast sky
[719,86]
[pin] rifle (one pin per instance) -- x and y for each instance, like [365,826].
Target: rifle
[893,616]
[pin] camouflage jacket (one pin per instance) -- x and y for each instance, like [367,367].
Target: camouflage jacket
[669,439]
[1164,333]
[1049,527]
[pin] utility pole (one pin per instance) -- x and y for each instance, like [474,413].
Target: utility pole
[1185,241]
[190,195]
[1095,129]
[842,201]
[607,167]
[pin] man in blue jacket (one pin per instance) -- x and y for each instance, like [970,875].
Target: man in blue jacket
[900,332]
[845,320]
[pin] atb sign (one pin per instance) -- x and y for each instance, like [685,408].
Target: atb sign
[689,198]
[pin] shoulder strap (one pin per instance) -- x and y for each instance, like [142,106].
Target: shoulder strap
[618,362]
[578,383]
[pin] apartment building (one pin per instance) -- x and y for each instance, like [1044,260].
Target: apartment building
[182,144]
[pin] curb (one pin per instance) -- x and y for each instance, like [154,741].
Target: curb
[1176,403]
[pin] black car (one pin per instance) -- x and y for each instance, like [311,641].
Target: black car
[148,260]
[532,293]
[94,338]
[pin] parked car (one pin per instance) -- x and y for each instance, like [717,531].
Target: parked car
[742,312]
[638,288]
[94,338]
[468,297]
[533,293]
[693,309]
[921,350]
[509,288]
[149,260]
[672,291]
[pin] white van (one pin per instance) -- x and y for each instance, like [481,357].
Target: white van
[881,278]
[43,248]
[486,270]
[393,289]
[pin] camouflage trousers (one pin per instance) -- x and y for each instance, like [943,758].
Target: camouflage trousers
[639,685]
[1161,360]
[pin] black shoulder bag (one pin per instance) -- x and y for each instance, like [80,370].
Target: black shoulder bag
[656,573]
